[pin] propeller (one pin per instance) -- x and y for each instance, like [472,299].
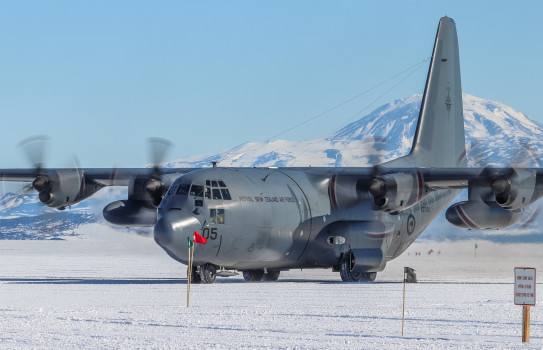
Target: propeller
[158,148]
[154,185]
[524,156]
[498,183]
[66,183]
[378,187]
[34,150]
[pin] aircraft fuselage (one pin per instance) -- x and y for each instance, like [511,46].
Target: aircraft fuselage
[281,219]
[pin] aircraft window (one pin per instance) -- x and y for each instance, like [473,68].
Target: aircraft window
[208,192]
[225,194]
[220,216]
[221,184]
[197,190]
[216,216]
[216,193]
[182,190]
[208,183]
[212,213]
[172,190]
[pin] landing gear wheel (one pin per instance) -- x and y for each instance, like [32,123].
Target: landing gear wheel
[346,274]
[208,273]
[271,276]
[195,278]
[253,275]
[368,276]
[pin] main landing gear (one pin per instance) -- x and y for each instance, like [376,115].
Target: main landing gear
[260,275]
[347,275]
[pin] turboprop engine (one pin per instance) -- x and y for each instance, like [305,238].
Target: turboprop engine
[515,189]
[395,192]
[63,187]
[144,196]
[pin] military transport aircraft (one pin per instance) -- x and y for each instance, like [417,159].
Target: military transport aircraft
[265,220]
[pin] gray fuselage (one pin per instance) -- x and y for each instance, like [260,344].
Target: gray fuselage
[282,219]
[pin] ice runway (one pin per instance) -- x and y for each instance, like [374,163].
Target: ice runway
[113,290]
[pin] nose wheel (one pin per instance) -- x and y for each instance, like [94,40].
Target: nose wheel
[195,277]
[208,273]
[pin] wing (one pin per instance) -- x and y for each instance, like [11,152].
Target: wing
[496,196]
[62,187]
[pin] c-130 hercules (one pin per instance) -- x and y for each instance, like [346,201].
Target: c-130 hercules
[265,220]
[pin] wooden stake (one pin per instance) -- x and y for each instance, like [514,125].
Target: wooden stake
[526,324]
[403,311]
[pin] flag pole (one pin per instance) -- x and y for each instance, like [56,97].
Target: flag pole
[196,238]
[403,311]
[189,273]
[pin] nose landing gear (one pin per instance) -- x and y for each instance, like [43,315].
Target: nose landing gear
[205,274]
[208,273]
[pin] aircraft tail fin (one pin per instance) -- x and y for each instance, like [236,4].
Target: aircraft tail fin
[439,138]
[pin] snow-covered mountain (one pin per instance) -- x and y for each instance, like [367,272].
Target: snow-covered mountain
[495,135]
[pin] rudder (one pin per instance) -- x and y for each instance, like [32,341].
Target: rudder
[439,138]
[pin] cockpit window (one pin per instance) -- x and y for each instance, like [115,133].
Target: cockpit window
[217,189]
[216,216]
[183,189]
[225,194]
[197,191]
[217,193]
[220,216]
[172,190]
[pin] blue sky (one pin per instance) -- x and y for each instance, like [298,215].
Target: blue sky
[99,77]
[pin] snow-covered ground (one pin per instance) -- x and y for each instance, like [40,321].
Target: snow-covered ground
[109,289]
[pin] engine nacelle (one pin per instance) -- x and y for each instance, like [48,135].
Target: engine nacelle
[395,192]
[130,213]
[515,190]
[148,188]
[344,191]
[480,215]
[63,187]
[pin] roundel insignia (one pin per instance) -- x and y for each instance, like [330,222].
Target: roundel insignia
[410,224]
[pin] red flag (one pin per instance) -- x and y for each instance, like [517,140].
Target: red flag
[199,239]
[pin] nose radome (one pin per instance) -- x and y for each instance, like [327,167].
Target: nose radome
[163,231]
[169,227]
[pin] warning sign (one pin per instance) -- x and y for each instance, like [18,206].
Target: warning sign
[524,286]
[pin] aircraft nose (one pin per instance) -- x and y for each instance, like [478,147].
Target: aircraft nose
[164,230]
[169,228]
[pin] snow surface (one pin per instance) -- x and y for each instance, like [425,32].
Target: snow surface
[105,289]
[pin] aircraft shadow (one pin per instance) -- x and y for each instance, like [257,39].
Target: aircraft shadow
[158,281]
[164,281]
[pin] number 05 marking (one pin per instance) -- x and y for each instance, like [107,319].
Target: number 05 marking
[209,233]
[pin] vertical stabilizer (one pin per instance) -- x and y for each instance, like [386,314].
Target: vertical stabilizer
[439,139]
